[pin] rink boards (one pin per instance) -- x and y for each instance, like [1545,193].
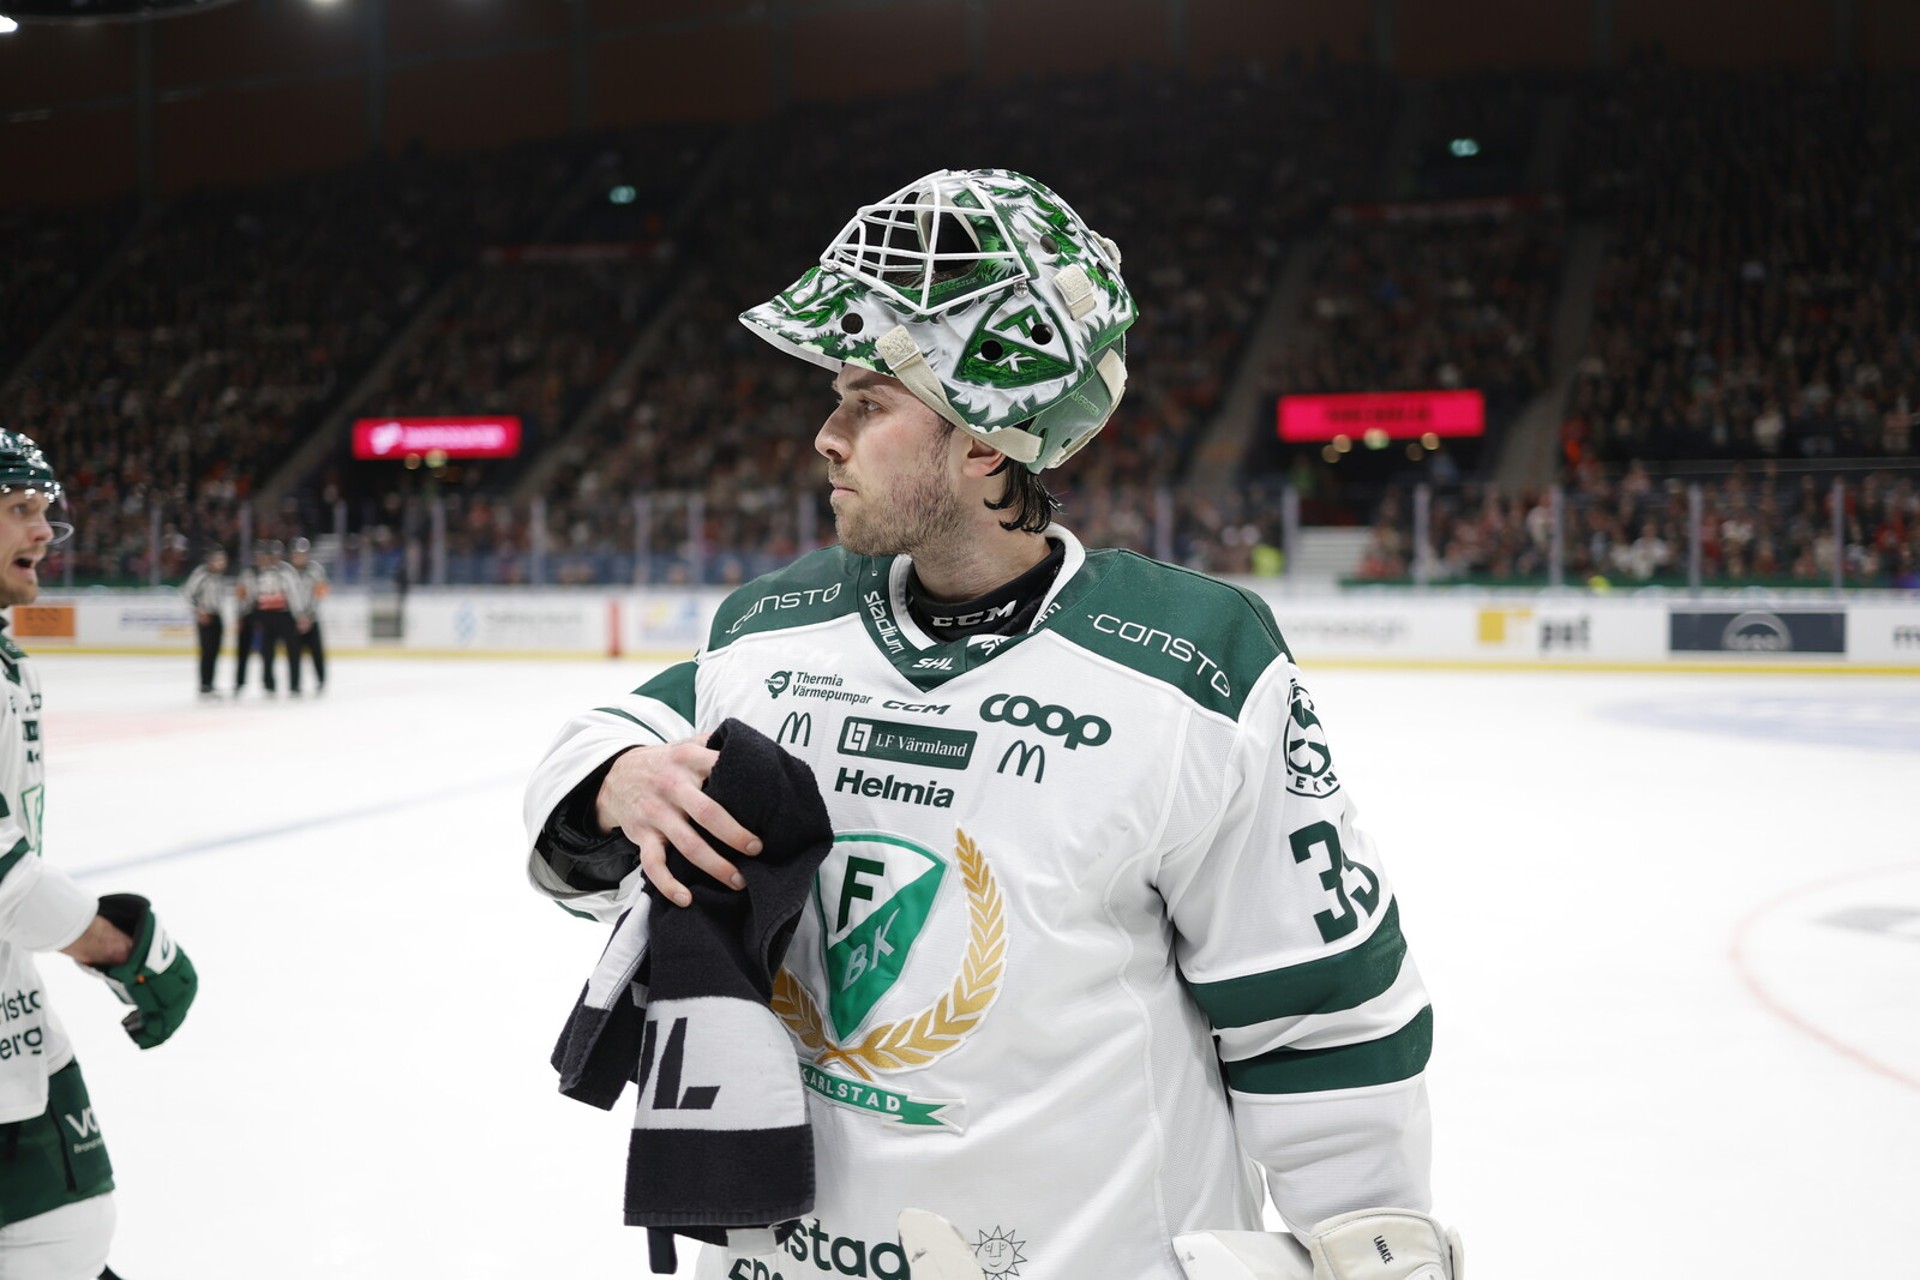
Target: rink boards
[1578,630]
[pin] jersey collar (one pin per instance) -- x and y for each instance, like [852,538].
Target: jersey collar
[925,662]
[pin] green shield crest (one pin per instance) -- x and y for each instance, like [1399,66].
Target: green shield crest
[874,894]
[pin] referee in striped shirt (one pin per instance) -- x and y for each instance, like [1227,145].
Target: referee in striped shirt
[207,590]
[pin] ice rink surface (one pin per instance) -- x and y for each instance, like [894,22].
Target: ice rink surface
[1671,925]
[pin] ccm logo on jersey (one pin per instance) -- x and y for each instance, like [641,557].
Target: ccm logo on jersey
[995,614]
[1051,719]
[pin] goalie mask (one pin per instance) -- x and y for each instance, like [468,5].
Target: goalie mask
[987,295]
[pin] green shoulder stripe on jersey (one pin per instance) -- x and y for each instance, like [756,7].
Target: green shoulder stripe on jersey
[578,915]
[1397,1056]
[1207,638]
[812,589]
[1327,985]
[7,860]
[674,686]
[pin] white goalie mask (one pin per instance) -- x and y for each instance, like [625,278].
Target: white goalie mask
[983,292]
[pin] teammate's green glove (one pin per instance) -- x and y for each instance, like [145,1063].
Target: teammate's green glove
[157,979]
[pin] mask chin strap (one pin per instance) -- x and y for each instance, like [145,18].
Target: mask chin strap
[908,363]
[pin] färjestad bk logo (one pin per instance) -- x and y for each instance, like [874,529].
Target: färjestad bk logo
[1309,761]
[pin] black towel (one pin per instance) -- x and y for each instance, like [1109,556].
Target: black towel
[720,1137]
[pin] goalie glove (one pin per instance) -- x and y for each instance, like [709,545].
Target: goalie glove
[1373,1244]
[157,979]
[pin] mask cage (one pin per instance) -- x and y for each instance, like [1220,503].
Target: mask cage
[908,239]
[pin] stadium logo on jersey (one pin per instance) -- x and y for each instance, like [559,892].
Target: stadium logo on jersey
[1049,718]
[1309,761]
[874,895]
[907,743]
[797,727]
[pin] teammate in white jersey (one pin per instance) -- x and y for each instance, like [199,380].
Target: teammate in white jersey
[56,1206]
[1100,955]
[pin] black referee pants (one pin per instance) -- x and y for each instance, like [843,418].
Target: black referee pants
[309,642]
[246,635]
[210,633]
[278,632]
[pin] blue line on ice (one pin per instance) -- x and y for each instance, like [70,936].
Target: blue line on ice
[291,828]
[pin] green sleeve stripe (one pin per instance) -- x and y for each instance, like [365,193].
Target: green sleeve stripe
[1327,985]
[1398,1056]
[628,715]
[583,915]
[674,686]
[13,855]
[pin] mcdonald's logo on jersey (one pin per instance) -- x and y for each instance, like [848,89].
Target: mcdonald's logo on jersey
[796,728]
[1020,755]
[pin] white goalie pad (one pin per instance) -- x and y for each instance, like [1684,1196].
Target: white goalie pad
[1241,1255]
[1373,1244]
[934,1248]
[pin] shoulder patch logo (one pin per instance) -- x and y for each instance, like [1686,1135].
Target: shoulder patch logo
[1309,761]
[869,926]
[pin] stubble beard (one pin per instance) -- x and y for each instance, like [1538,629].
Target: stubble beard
[921,512]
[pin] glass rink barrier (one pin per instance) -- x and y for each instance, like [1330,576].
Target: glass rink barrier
[1731,527]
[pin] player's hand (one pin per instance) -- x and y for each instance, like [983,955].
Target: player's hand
[103,944]
[155,977]
[305,625]
[656,795]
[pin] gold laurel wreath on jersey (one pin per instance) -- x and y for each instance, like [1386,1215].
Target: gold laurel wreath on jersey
[929,1034]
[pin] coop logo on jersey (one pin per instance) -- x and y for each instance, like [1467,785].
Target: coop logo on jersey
[1309,762]
[874,895]
[1051,719]
[907,743]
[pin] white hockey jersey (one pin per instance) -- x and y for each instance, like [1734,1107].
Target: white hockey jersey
[41,909]
[1099,940]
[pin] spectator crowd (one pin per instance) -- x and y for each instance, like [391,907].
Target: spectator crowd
[1754,303]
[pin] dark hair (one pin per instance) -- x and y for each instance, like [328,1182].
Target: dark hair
[1027,496]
